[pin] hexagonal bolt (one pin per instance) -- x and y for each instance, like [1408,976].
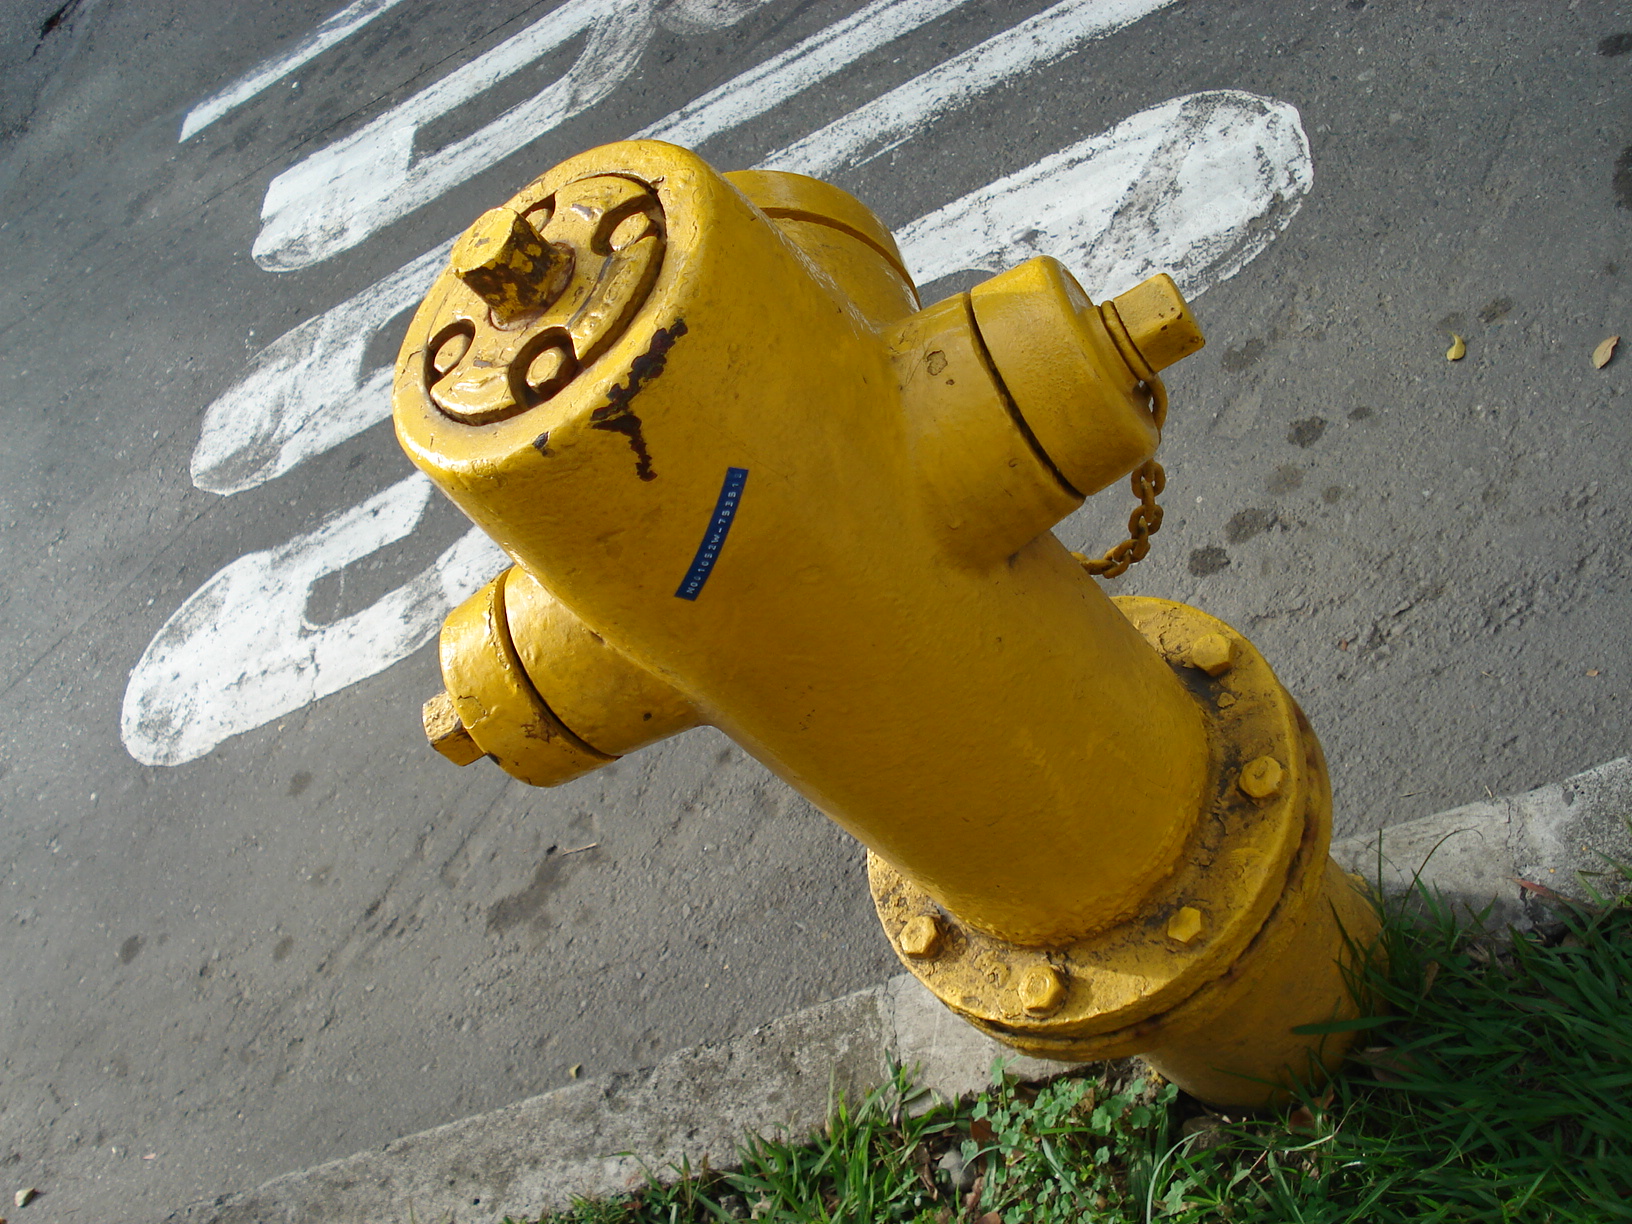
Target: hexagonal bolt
[1262,778]
[1185,924]
[509,265]
[446,733]
[1042,990]
[1212,653]
[922,937]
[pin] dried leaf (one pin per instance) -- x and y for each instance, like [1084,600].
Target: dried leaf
[991,1217]
[1301,1119]
[1428,975]
[1602,354]
[920,1162]
[1593,671]
[1541,890]
[575,1070]
[1205,1131]
[980,1130]
[972,1199]
[1458,349]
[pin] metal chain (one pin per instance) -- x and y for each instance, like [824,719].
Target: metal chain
[1148,482]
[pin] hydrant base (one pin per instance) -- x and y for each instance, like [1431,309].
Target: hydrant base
[1251,878]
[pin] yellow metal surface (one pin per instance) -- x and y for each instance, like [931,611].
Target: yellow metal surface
[609,702]
[921,936]
[1213,653]
[510,265]
[1262,777]
[1051,349]
[534,290]
[1185,924]
[495,701]
[1156,320]
[748,481]
[1042,990]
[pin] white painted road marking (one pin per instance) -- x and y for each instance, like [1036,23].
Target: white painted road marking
[340,195]
[1245,170]
[894,118]
[752,93]
[307,391]
[1198,185]
[1195,187]
[344,23]
[337,197]
[241,652]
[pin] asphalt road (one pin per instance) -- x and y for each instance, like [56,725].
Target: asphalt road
[251,923]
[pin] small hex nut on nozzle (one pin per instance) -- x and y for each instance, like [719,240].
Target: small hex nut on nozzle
[446,733]
[1159,321]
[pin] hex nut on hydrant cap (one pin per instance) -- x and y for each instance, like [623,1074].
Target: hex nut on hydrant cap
[446,733]
[1042,990]
[509,264]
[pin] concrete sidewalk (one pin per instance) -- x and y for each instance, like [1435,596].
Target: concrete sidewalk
[590,1139]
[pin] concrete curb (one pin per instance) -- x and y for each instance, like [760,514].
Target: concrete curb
[538,1154]
[1557,836]
[696,1104]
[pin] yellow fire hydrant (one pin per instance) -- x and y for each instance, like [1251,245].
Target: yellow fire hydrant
[747,481]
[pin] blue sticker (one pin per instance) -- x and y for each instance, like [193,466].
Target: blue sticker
[719,527]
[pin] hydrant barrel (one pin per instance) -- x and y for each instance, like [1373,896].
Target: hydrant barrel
[989,723]
[748,480]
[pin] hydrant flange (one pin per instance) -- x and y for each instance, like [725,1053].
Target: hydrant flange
[1250,878]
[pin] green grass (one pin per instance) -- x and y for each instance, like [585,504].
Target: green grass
[1494,1084]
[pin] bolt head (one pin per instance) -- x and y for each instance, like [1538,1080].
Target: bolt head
[922,937]
[1262,778]
[1212,653]
[1042,990]
[1185,924]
